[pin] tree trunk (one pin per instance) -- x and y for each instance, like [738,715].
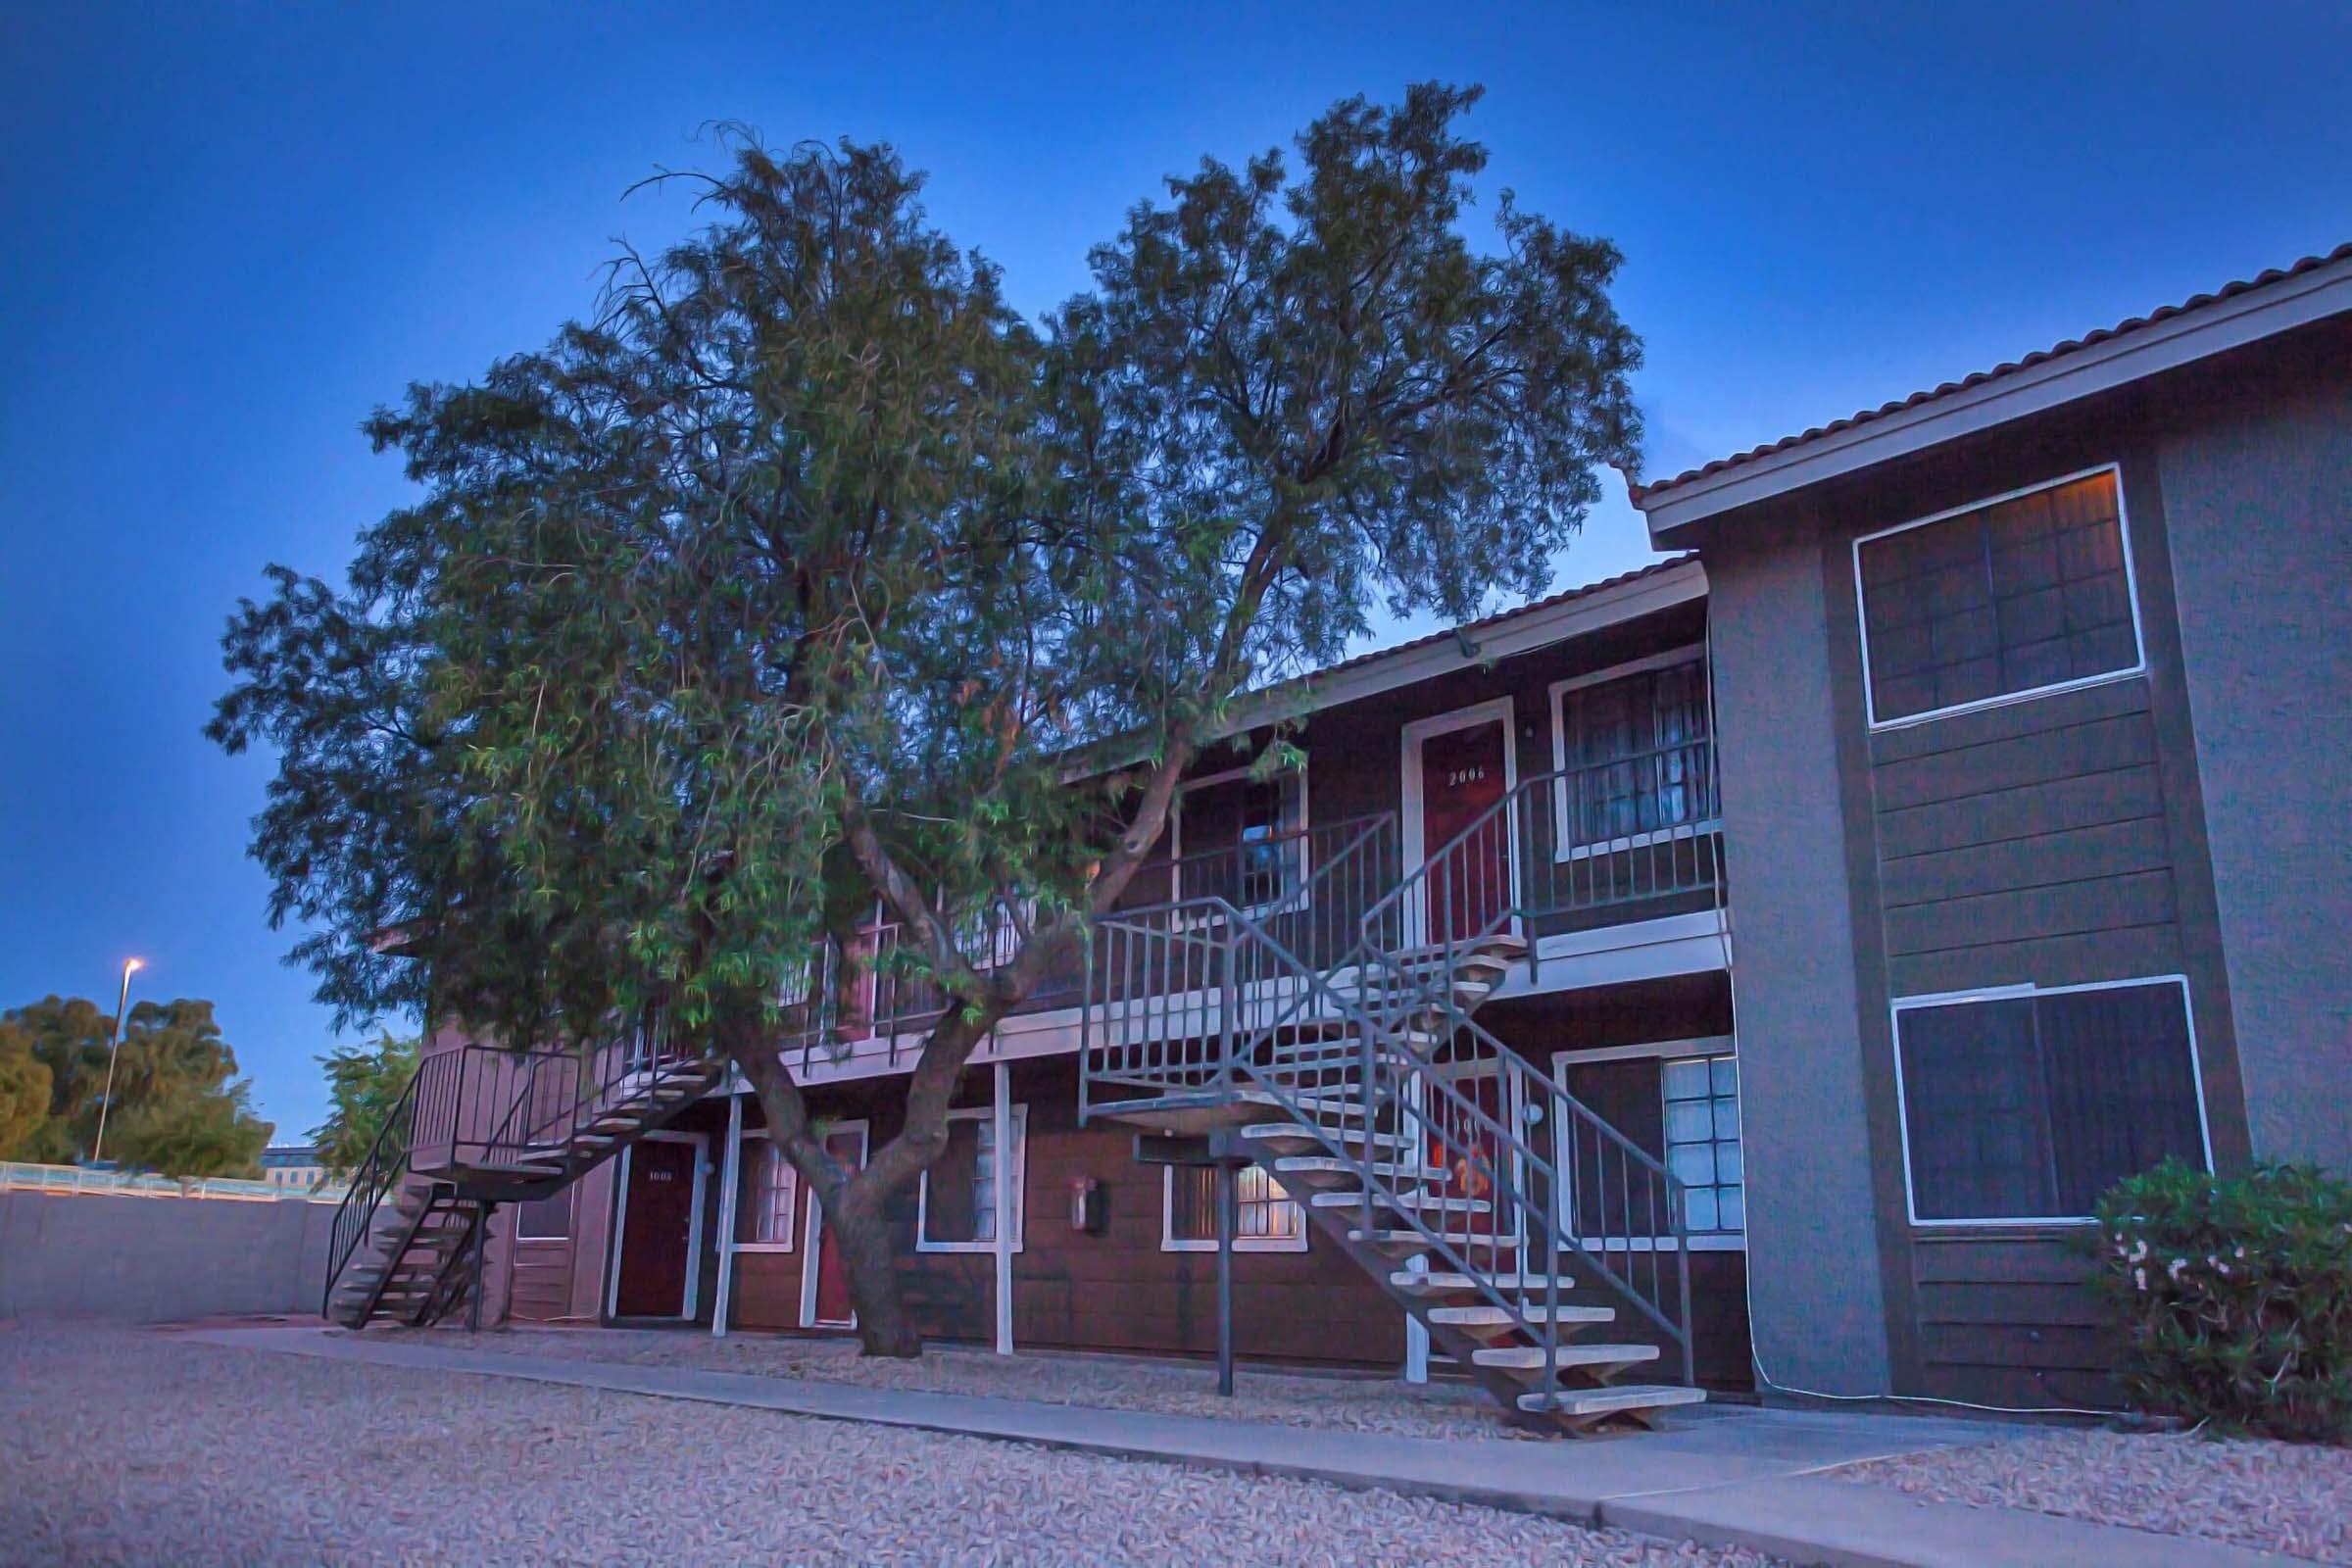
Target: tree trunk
[884,1326]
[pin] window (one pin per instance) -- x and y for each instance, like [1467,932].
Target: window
[1634,753]
[544,1219]
[1241,839]
[1702,1140]
[2031,593]
[1266,1220]
[958,1211]
[2027,1106]
[771,1191]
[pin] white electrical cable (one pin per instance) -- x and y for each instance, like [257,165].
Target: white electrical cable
[1764,1376]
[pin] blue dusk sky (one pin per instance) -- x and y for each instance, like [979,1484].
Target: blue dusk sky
[230,230]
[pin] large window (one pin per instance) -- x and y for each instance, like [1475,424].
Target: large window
[771,1191]
[1635,751]
[2027,1106]
[2031,593]
[958,1211]
[1267,1220]
[1241,839]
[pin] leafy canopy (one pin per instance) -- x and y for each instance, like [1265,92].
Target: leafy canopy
[797,574]
[364,1083]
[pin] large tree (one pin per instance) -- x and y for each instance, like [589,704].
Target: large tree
[803,575]
[177,1105]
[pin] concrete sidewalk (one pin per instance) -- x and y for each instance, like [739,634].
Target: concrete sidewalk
[1730,1478]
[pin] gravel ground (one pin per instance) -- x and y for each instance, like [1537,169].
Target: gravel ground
[2283,1496]
[1455,1412]
[138,1448]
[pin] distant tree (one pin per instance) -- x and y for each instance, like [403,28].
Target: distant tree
[363,1083]
[23,1093]
[213,1134]
[172,1069]
[804,576]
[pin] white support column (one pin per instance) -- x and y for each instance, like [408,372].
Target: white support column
[730,1180]
[1011,1163]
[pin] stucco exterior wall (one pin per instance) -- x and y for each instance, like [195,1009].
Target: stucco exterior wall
[2258,495]
[1819,1316]
[158,1259]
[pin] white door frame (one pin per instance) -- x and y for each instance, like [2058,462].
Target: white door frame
[812,1227]
[1502,711]
[694,1245]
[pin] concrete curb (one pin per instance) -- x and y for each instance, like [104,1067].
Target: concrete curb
[1775,1504]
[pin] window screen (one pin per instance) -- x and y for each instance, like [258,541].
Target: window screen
[2013,597]
[2029,1107]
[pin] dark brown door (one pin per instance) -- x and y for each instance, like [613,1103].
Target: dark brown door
[1462,777]
[831,1307]
[657,1232]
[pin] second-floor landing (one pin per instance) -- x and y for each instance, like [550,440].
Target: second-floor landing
[1562,793]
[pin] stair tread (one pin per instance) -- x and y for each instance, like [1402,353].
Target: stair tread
[1405,1279]
[1530,1357]
[1496,1316]
[1421,1202]
[1263,1130]
[1615,1396]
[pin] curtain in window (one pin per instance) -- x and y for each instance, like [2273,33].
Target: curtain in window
[1263,1212]
[1638,755]
[2029,1107]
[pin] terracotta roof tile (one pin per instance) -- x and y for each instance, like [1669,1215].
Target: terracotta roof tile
[1639,492]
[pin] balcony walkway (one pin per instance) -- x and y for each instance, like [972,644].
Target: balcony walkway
[1731,1477]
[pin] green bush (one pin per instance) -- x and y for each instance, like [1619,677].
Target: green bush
[2236,1297]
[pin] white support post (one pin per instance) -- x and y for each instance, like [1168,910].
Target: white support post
[1010,1164]
[730,1180]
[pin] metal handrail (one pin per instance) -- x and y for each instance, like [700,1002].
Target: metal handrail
[386,1162]
[1378,1075]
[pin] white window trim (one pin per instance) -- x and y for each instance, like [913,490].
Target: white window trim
[2139,644]
[1663,1050]
[1169,1242]
[1946,998]
[750,1134]
[1561,849]
[1019,1112]
[1300,898]
[1503,711]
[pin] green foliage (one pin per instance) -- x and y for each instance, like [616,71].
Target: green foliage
[23,1093]
[202,1135]
[364,1084]
[172,1073]
[802,574]
[2235,1296]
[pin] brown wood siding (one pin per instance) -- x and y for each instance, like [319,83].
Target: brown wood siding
[541,1285]
[2010,1319]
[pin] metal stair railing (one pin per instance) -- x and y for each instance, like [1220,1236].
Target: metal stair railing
[1215,1004]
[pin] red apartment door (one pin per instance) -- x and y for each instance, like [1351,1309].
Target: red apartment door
[657,1233]
[828,1299]
[1462,777]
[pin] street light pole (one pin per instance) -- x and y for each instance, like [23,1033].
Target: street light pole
[114,1042]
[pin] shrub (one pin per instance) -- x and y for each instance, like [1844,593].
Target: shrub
[2236,1297]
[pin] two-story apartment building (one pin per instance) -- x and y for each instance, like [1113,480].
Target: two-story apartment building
[1745,973]
[2031,690]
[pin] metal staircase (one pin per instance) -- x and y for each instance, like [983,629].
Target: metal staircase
[480,1126]
[1330,1038]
